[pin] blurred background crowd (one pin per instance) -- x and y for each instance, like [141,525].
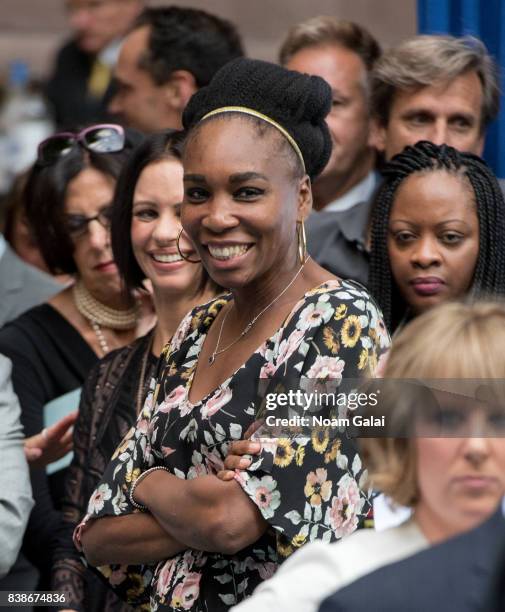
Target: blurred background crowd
[384,167]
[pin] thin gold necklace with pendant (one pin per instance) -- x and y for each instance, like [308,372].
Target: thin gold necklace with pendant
[247,328]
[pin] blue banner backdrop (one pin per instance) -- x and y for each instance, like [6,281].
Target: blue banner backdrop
[484,19]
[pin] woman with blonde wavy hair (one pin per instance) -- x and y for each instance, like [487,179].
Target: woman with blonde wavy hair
[451,483]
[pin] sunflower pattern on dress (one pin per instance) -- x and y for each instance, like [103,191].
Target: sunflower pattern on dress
[308,487]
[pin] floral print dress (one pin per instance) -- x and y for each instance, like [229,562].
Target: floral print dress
[306,488]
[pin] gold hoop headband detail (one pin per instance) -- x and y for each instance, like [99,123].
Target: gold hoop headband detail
[254,113]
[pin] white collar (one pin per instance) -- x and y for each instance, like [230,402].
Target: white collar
[109,54]
[361,192]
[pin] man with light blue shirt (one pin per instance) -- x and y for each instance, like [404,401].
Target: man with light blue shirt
[21,285]
[343,53]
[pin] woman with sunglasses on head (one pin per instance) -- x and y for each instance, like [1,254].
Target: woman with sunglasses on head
[145,227]
[53,346]
[257,136]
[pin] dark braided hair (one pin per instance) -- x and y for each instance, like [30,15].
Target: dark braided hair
[489,274]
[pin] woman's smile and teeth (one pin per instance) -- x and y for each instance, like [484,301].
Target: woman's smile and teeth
[228,251]
[168,260]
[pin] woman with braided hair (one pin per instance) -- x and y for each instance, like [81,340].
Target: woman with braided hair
[437,232]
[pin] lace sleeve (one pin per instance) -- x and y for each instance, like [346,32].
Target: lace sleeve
[105,414]
[68,571]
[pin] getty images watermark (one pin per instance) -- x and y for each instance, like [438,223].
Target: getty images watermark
[382,407]
[314,406]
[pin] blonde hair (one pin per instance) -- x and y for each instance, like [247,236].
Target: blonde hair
[421,61]
[453,340]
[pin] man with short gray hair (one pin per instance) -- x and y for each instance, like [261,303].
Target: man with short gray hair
[438,88]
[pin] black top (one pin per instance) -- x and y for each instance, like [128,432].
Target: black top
[49,358]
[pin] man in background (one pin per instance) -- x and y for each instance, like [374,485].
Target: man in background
[438,88]
[343,54]
[21,285]
[79,88]
[169,54]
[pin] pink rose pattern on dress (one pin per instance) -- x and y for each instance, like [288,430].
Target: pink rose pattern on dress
[345,507]
[305,489]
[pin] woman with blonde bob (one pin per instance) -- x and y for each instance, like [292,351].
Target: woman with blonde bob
[451,483]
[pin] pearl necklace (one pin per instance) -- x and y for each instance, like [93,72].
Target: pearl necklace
[247,328]
[99,314]
[100,337]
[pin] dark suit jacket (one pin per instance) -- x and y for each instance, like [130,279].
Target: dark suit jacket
[336,240]
[66,90]
[22,286]
[496,596]
[454,576]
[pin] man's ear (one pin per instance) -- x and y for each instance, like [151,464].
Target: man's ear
[304,198]
[179,89]
[377,135]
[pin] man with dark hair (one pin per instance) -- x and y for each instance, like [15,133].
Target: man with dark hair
[170,53]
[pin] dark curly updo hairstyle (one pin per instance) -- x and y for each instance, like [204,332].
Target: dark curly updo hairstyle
[489,274]
[165,145]
[298,102]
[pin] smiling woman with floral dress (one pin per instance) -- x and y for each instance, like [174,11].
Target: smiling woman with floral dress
[257,137]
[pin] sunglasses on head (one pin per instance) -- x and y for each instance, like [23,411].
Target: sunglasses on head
[101,138]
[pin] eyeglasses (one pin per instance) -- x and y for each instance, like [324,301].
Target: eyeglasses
[101,138]
[77,225]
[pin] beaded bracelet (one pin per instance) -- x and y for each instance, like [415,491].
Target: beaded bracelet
[139,480]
